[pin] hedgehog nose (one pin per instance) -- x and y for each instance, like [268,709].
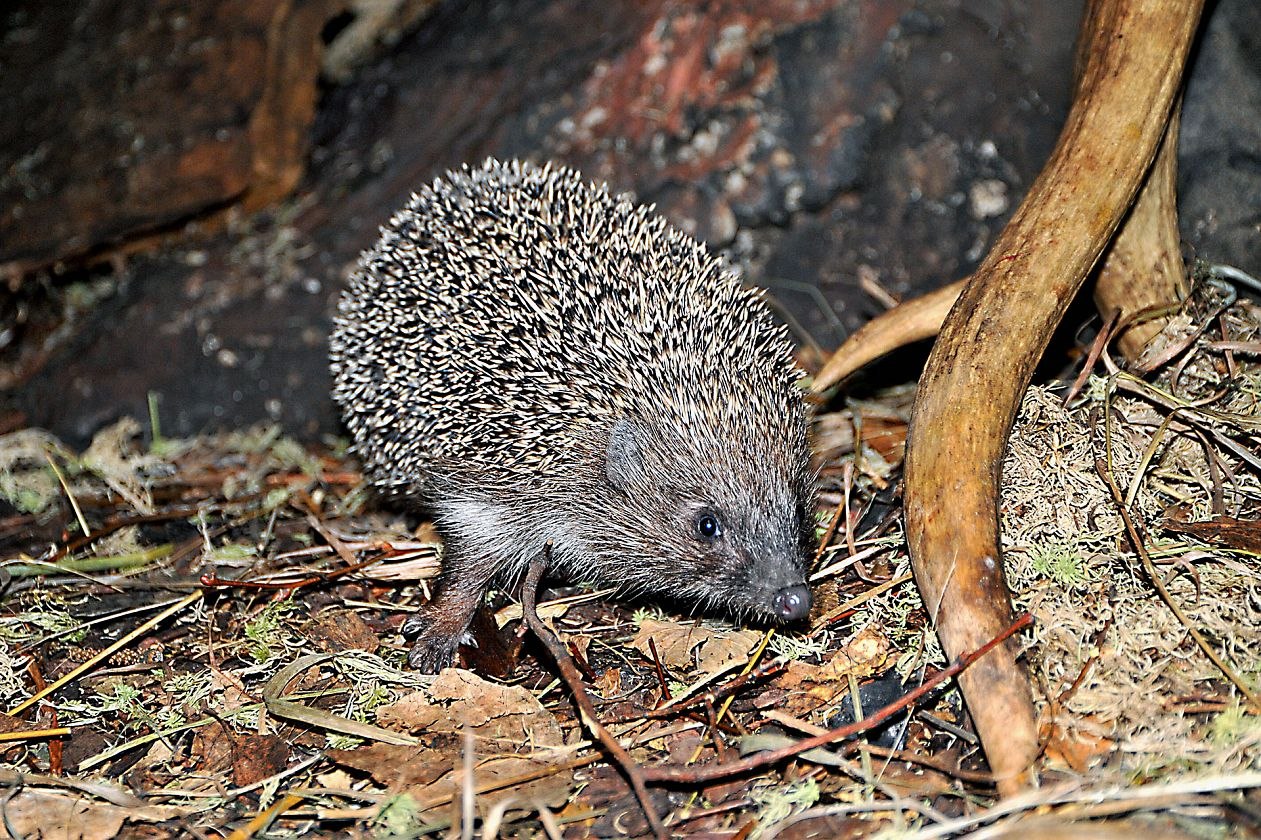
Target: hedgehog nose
[792,603]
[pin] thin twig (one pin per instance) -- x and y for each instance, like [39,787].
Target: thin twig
[662,682]
[841,509]
[264,818]
[712,772]
[974,776]
[721,693]
[587,713]
[1136,540]
[1153,795]
[35,734]
[754,659]
[1096,347]
[347,556]
[74,503]
[834,614]
[907,756]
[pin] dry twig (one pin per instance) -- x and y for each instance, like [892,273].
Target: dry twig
[573,679]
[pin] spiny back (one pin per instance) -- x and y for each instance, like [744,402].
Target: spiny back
[510,310]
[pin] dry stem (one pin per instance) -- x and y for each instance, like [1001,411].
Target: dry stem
[632,770]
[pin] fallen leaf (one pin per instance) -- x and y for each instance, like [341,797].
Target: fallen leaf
[675,642]
[865,655]
[476,702]
[807,686]
[1073,747]
[412,713]
[334,631]
[609,684]
[46,814]
[1227,531]
[336,778]
[396,766]
[511,733]
[726,648]
[257,757]
[212,747]
[232,688]
[548,611]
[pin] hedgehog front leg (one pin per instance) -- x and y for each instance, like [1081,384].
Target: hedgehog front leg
[440,628]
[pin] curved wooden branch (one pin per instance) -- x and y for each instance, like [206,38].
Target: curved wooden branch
[1134,55]
[1142,271]
[1143,268]
[913,320]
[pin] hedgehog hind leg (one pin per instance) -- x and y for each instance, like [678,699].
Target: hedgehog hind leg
[441,626]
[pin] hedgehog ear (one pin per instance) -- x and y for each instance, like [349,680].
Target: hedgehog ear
[624,460]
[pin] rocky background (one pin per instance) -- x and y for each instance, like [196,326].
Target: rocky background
[184,186]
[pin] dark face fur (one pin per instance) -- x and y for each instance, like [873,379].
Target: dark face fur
[716,523]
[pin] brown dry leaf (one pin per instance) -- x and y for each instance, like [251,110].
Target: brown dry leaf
[337,778]
[887,437]
[809,686]
[1226,531]
[35,814]
[608,684]
[864,656]
[478,702]
[152,766]
[725,649]
[920,782]
[675,642]
[412,713]
[337,630]
[512,735]
[578,645]
[213,744]
[838,827]
[391,765]
[1075,748]
[802,688]
[257,757]
[251,757]
[231,688]
[549,612]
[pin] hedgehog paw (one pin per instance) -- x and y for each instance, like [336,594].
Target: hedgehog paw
[430,654]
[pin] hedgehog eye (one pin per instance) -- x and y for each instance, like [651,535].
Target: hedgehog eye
[707,526]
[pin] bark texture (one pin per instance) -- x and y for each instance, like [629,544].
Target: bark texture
[1134,54]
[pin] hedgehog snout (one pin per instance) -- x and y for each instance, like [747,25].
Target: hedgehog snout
[777,587]
[792,603]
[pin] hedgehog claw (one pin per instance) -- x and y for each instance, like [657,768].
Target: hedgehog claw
[414,625]
[429,656]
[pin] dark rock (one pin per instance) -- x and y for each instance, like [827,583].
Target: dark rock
[813,140]
[1219,156]
[122,118]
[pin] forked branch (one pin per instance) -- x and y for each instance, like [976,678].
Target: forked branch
[1133,55]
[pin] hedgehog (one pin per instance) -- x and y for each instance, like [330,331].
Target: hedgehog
[544,366]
